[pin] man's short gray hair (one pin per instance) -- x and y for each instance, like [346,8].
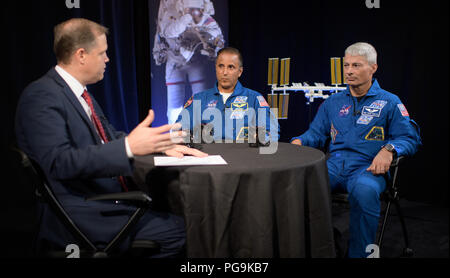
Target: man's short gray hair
[363,49]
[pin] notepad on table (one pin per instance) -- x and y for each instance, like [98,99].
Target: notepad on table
[189,160]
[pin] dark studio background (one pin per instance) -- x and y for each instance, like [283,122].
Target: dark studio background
[411,39]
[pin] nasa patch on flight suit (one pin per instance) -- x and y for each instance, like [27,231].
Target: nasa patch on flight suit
[238,110]
[212,104]
[189,102]
[375,134]
[237,115]
[240,99]
[344,110]
[378,103]
[333,133]
[243,133]
[364,120]
[371,111]
[243,106]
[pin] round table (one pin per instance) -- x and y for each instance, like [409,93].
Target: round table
[258,205]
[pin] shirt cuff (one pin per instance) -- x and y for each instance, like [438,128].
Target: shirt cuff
[127,148]
[295,138]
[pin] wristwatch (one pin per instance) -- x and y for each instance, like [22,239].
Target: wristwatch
[390,147]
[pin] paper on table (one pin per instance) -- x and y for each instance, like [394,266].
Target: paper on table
[189,160]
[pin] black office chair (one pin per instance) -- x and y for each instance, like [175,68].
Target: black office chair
[86,248]
[390,195]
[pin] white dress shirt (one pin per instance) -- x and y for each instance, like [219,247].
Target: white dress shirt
[78,89]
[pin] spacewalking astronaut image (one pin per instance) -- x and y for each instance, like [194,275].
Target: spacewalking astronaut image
[187,40]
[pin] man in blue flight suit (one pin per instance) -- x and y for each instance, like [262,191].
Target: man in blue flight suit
[229,107]
[366,127]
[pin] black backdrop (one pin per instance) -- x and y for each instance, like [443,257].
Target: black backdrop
[27,42]
[411,39]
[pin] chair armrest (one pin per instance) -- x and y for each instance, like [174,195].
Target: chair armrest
[138,198]
[396,161]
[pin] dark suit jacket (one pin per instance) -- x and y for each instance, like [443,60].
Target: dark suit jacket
[55,131]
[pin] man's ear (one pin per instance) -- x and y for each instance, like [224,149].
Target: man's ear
[241,69]
[80,55]
[374,68]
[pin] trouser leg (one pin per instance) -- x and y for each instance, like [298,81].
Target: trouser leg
[364,190]
[166,229]
[197,77]
[175,82]
[335,176]
[340,223]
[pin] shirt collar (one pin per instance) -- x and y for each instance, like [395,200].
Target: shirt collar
[374,88]
[76,87]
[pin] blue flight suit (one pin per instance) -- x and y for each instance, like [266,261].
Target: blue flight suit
[356,131]
[231,120]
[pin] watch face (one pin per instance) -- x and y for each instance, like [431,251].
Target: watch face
[389,147]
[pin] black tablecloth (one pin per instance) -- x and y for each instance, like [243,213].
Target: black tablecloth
[259,205]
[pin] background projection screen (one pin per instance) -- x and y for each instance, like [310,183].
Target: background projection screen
[184,53]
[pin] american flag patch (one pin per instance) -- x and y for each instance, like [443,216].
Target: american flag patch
[209,20]
[403,110]
[262,101]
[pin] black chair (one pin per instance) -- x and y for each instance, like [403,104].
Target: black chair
[87,248]
[390,196]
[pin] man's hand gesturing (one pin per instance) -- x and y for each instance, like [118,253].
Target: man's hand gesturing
[145,140]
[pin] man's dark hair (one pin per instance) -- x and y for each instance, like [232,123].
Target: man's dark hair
[73,34]
[232,50]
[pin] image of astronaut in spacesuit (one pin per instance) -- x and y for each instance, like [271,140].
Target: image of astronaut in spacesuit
[187,41]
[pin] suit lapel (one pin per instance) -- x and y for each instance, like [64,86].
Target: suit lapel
[75,102]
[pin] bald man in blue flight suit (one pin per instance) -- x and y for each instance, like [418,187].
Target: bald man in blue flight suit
[229,107]
[366,127]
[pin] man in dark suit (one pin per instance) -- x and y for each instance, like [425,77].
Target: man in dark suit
[61,126]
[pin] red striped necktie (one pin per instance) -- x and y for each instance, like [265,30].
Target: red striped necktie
[100,129]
